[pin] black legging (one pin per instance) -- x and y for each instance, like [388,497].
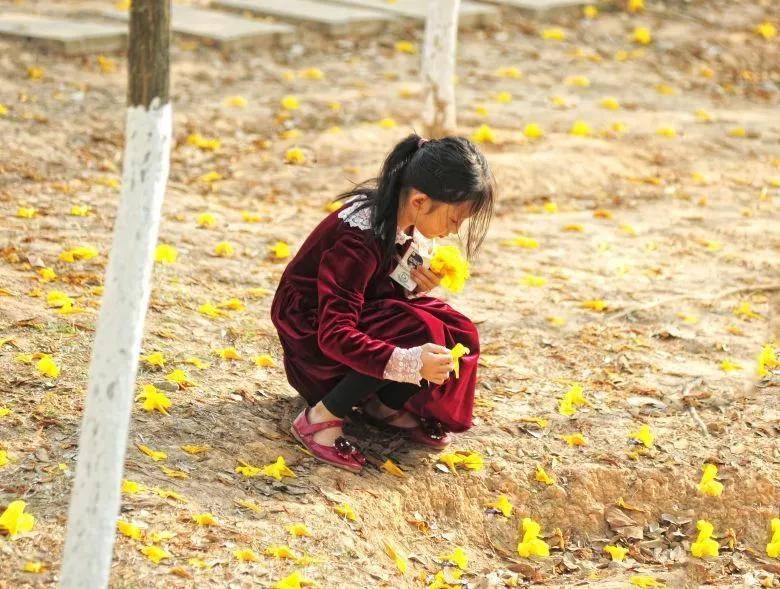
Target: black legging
[356,386]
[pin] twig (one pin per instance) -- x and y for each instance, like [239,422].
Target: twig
[697,420]
[715,297]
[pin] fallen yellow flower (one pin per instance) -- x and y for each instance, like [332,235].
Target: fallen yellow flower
[554,34]
[298,530]
[155,553]
[730,366]
[767,359]
[392,468]
[533,131]
[617,553]
[295,156]
[203,143]
[280,250]
[277,469]
[264,361]
[531,544]
[229,353]
[503,505]
[179,377]
[580,129]
[642,36]
[14,521]
[290,102]
[575,439]
[155,455]
[47,366]
[644,581]
[154,399]
[345,509]
[205,519]
[246,555]
[643,435]
[293,581]
[154,359]
[457,557]
[708,485]
[704,546]
[130,530]
[224,249]
[33,567]
[26,212]
[773,548]
[165,254]
[206,220]
[542,476]
[398,557]
[209,310]
[484,134]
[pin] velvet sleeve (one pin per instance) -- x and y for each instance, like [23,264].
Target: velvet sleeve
[344,272]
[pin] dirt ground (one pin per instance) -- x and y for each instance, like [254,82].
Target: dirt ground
[671,233]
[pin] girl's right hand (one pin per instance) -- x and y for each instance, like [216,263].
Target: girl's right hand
[437,363]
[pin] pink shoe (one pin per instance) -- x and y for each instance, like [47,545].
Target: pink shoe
[428,431]
[342,454]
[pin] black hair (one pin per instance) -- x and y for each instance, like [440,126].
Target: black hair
[450,170]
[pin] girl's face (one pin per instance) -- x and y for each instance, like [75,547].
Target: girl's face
[435,218]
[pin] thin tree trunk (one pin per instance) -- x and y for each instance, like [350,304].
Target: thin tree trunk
[439,51]
[95,498]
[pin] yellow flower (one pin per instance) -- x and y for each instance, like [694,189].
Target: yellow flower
[737,132]
[405,47]
[509,72]
[4,458]
[708,485]
[165,254]
[581,81]
[773,548]
[14,520]
[205,519]
[704,546]
[575,440]
[745,311]
[703,115]
[594,305]
[635,5]
[312,73]
[237,101]
[590,12]
[522,241]
[154,400]
[34,73]
[155,455]
[503,505]
[766,360]
[642,36]
[298,530]
[32,567]
[767,30]
[210,177]
[277,469]
[206,220]
[197,363]
[47,274]
[617,553]
[155,553]
[392,468]
[387,123]
[47,366]
[665,89]
[280,250]
[154,359]
[80,210]
[346,510]
[229,353]
[194,449]
[644,580]
[251,217]
[730,366]
[542,476]
[534,281]
[571,399]
[203,143]
[531,544]
[130,530]
[457,557]
[293,581]
[83,252]
[504,97]
[559,101]
[398,557]
[224,249]
[131,487]
[294,156]
[448,263]
[281,551]
[290,102]
[3,110]
[264,361]
[57,298]
[554,34]
[179,377]
[26,212]
[666,131]
[643,435]
[472,461]
[457,352]
[610,103]
[580,129]
[209,310]
[246,555]
[484,134]
[533,131]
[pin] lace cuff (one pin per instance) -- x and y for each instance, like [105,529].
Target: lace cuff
[404,365]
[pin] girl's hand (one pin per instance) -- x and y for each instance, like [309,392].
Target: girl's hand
[437,363]
[426,279]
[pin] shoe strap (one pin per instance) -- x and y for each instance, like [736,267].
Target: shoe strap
[309,428]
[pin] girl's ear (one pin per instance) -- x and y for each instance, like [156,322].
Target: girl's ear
[417,199]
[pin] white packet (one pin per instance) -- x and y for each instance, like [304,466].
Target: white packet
[419,253]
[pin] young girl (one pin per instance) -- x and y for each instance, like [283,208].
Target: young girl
[353,335]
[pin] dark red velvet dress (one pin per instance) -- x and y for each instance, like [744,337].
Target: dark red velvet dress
[335,309]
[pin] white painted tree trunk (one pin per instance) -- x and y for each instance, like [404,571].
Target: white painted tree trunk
[438,67]
[96,493]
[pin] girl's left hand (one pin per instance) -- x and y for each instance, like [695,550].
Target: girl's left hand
[426,279]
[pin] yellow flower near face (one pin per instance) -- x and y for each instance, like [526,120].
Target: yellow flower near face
[531,544]
[224,250]
[165,254]
[767,30]
[448,262]
[14,521]
[484,134]
[553,34]
[580,129]
[280,250]
[290,102]
[47,366]
[294,156]
[405,47]
[533,131]
[642,36]
[617,553]
[705,546]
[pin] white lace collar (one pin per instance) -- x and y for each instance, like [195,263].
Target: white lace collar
[362,218]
